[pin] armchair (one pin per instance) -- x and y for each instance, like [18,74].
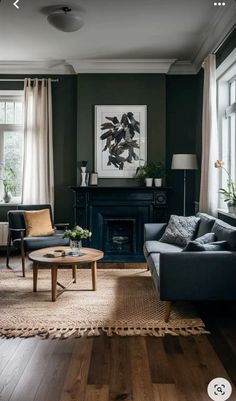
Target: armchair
[17,233]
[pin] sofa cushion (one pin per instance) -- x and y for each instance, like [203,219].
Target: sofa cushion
[33,243]
[159,247]
[194,246]
[225,232]
[205,225]
[180,230]
[204,239]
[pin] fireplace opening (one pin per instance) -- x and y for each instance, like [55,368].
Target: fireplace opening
[119,235]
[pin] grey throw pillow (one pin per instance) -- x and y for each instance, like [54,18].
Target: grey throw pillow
[194,246]
[180,230]
[204,239]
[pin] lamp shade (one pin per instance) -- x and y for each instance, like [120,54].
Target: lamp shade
[65,20]
[184,162]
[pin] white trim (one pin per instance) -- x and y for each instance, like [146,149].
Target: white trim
[134,66]
[11,93]
[182,68]
[36,67]
[226,213]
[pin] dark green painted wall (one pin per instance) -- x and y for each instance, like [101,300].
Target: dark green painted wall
[64,97]
[183,130]
[118,89]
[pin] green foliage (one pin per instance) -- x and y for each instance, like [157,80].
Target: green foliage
[151,170]
[229,194]
[77,234]
[8,179]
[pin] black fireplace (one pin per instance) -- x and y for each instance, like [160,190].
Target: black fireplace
[116,217]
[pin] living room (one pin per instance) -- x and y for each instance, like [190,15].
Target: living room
[118,118]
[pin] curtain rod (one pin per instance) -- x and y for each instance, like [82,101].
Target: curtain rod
[22,80]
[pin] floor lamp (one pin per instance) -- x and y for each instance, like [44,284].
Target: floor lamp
[184,162]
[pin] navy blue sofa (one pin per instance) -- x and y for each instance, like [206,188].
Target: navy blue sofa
[207,275]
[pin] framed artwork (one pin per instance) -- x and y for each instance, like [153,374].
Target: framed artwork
[120,140]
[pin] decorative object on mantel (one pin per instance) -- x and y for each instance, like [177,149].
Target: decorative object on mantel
[124,304]
[83,173]
[120,140]
[184,162]
[150,171]
[229,194]
[93,179]
[8,178]
[76,235]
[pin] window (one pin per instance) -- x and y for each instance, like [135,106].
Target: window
[226,105]
[11,144]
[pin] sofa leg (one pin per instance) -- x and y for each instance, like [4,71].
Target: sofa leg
[168,305]
[8,249]
[147,267]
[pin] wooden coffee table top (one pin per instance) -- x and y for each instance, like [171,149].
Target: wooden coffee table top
[91,255]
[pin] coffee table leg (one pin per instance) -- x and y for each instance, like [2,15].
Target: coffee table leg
[35,276]
[54,282]
[74,267]
[94,275]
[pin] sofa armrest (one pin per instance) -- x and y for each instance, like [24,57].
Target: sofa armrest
[153,231]
[198,276]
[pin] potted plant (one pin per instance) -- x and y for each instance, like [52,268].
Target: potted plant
[9,184]
[228,193]
[76,235]
[150,171]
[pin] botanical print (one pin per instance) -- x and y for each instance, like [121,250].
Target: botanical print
[120,140]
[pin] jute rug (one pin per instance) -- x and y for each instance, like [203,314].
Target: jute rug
[125,304]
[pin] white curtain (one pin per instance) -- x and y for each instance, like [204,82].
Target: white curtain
[209,175]
[38,177]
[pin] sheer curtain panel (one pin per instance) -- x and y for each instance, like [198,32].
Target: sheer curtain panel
[38,177]
[209,178]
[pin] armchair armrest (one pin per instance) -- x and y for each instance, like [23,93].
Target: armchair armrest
[198,276]
[17,229]
[61,226]
[154,231]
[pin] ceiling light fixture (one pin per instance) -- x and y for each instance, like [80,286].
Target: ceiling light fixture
[65,20]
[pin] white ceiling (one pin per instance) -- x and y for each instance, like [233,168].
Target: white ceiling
[114,32]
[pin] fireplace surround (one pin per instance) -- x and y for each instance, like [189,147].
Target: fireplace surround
[116,217]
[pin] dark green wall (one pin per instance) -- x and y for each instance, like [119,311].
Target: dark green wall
[64,97]
[111,89]
[183,130]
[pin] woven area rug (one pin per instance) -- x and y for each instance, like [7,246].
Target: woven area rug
[125,304]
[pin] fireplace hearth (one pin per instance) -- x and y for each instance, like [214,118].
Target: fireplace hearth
[116,217]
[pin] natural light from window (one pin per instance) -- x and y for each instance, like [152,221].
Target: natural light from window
[11,145]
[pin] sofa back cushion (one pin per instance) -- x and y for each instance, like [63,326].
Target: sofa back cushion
[205,225]
[180,230]
[225,232]
[194,246]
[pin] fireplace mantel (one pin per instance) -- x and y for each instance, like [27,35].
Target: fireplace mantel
[116,216]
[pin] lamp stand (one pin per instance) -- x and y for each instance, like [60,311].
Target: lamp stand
[184,192]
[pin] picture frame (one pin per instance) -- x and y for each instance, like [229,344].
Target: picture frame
[120,140]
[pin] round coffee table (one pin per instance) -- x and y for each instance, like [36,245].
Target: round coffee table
[40,261]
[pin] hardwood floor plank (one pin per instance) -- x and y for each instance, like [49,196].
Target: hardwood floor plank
[172,345]
[29,382]
[97,393]
[7,348]
[100,361]
[51,385]
[165,392]
[158,361]
[140,371]
[15,367]
[76,377]
[120,381]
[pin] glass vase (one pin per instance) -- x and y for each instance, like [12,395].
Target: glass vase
[75,247]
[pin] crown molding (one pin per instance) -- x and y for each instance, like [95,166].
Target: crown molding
[182,68]
[219,28]
[36,67]
[134,66]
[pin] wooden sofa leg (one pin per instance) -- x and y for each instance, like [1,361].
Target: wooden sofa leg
[22,251]
[168,305]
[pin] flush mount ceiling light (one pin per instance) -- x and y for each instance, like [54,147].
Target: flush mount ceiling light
[65,20]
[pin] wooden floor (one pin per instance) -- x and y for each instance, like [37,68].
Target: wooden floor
[116,368]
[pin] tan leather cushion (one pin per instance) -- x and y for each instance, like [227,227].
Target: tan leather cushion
[38,223]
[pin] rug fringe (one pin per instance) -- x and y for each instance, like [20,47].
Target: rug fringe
[122,331]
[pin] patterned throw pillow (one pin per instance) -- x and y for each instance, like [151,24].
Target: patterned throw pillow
[180,230]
